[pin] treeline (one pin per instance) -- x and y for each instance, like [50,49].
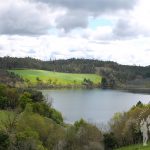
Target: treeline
[115,74]
[74,66]
[29,122]
[70,65]
[126,127]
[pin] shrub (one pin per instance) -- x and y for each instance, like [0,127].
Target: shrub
[3,102]
[45,110]
[11,94]
[41,108]
[56,116]
[4,141]
[28,139]
[110,141]
[83,136]
[25,98]
[36,96]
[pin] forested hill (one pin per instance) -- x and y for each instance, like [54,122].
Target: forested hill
[110,70]
[69,65]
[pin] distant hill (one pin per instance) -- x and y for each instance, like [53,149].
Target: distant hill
[115,75]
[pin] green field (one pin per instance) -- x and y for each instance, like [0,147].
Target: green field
[57,77]
[136,147]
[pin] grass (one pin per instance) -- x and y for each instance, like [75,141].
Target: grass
[59,78]
[136,147]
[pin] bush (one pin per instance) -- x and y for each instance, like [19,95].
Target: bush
[126,126]
[2,89]
[87,83]
[79,124]
[36,96]
[28,139]
[9,96]
[83,136]
[24,99]
[110,141]
[3,102]
[45,110]
[56,116]
[41,108]
[4,141]
[42,127]
[13,97]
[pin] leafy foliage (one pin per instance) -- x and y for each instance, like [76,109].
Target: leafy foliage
[4,140]
[125,127]
[38,126]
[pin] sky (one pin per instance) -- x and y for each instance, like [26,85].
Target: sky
[115,30]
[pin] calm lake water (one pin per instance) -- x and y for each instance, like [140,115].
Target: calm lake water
[94,105]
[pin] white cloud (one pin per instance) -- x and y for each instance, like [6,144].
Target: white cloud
[125,41]
[21,17]
[125,52]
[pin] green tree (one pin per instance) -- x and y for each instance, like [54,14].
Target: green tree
[104,83]
[24,99]
[110,141]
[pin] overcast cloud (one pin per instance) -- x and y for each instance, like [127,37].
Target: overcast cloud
[117,30]
[78,11]
[95,6]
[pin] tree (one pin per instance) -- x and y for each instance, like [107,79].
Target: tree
[110,141]
[139,103]
[25,98]
[104,83]
[87,83]
[50,81]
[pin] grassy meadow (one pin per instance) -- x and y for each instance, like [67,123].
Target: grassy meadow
[136,147]
[56,77]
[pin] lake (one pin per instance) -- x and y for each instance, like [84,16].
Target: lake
[94,105]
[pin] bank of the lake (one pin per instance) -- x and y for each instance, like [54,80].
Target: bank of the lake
[137,90]
[42,79]
[94,105]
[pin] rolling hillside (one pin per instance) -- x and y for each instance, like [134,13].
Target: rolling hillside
[132,78]
[50,77]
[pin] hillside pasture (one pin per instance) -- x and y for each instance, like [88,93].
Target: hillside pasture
[58,78]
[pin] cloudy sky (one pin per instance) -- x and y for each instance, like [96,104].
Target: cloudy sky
[117,30]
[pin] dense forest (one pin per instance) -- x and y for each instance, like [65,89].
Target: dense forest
[114,75]
[29,122]
[72,65]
